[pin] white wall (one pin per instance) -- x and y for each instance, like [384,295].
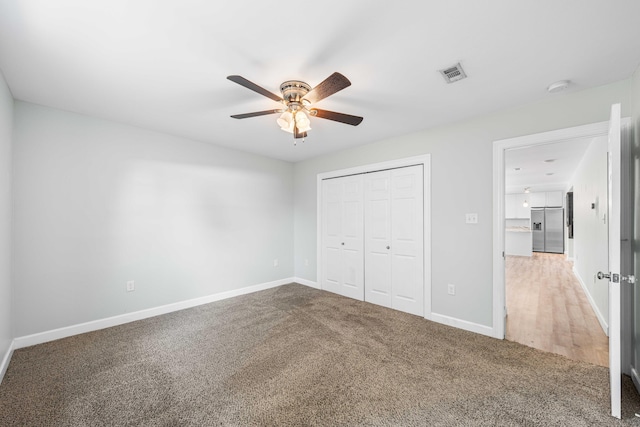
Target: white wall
[461,156]
[6,120]
[99,203]
[590,229]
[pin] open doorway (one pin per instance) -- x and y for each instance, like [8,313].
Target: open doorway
[552,299]
[615,215]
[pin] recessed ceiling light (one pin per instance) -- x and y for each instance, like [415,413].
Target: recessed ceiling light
[549,173]
[558,86]
[516,169]
[550,160]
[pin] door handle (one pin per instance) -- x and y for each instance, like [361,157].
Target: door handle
[631,279]
[615,278]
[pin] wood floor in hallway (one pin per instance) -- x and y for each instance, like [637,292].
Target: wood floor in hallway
[548,310]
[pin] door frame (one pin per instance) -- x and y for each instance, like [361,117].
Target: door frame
[499,285]
[425,161]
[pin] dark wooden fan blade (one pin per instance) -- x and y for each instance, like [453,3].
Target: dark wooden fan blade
[332,84]
[337,117]
[256,114]
[254,87]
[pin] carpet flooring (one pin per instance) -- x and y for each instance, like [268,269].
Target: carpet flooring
[296,356]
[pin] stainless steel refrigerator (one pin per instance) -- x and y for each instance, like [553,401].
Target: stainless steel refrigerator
[547,230]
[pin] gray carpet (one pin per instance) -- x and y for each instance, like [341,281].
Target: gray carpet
[295,356]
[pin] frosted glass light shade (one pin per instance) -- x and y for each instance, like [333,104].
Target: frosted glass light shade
[302,121]
[285,121]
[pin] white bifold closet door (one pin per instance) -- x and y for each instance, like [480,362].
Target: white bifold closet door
[342,233]
[373,232]
[393,242]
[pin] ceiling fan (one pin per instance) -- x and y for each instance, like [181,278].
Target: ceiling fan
[297,97]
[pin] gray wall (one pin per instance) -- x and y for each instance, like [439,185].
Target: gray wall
[591,253]
[6,124]
[461,156]
[98,203]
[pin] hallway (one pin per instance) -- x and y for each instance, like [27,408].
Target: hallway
[548,310]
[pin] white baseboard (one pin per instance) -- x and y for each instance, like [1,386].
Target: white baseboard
[635,378]
[5,360]
[306,282]
[463,324]
[439,318]
[108,322]
[603,322]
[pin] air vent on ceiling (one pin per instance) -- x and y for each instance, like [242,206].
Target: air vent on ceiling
[453,73]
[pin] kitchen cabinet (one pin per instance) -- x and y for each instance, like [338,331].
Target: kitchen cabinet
[510,206]
[538,200]
[514,206]
[548,199]
[554,199]
[517,241]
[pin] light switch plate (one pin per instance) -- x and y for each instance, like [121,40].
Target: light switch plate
[472,218]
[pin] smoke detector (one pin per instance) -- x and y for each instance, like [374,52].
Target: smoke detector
[558,86]
[453,73]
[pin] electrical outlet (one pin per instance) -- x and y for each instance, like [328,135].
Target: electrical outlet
[472,218]
[275,262]
[306,263]
[451,289]
[131,286]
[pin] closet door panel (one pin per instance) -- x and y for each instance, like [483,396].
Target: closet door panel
[407,233]
[378,238]
[342,234]
[331,235]
[353,237]
[332,271]
[352,274]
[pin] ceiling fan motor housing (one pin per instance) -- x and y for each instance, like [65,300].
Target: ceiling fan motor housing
[293,91]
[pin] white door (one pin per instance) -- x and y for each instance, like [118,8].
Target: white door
[394,223]
[407,240]
[377,241]
[342,237]
[613,213]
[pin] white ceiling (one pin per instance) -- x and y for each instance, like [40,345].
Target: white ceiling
[162,64]
[531,166]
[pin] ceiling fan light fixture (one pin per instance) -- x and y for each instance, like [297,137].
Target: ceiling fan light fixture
[285,121]
[302,121]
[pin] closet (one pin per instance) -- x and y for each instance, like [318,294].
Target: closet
[372,237]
